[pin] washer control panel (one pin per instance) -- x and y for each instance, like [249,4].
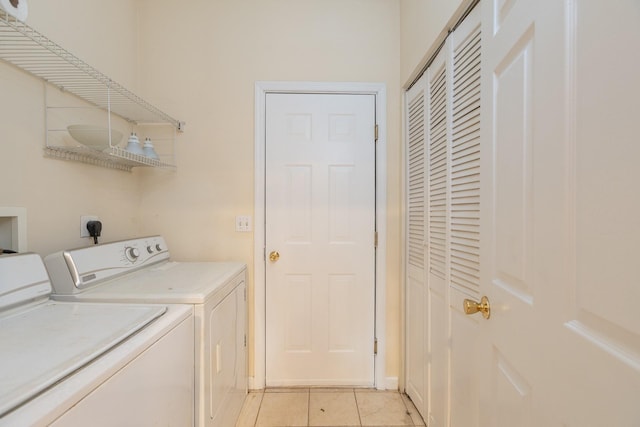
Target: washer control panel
[141,251]
[132,254]
[92,265]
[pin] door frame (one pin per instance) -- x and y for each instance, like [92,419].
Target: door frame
[262,88]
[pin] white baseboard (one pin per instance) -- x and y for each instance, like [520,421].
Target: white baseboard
[251,384]
[391,383]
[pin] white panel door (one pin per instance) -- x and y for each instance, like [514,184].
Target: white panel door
[320,219]
[560,214]
[598,316]
[522,205]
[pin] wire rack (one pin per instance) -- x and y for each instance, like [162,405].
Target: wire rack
[113,157]
[29,50]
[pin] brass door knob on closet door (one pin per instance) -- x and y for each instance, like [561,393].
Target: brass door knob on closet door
[274,256]
[471,307]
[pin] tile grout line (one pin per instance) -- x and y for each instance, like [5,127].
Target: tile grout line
[255,423]
[355,397]
[308,407]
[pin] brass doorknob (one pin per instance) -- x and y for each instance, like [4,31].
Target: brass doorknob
[471,307]
[274,256]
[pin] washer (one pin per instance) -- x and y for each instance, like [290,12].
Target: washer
[65,363]
[140,271]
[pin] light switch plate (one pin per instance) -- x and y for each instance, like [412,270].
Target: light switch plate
[243,223]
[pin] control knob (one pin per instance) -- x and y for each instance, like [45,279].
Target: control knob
[158,247]
[150,249]
[132,254]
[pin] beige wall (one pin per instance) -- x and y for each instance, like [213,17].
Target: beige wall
[201,61]
[55,193]
[101,33]
[198,61]
[424,22]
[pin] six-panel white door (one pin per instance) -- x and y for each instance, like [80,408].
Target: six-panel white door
[560,207]
[320,220]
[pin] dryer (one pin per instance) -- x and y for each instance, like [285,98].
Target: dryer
[141,271]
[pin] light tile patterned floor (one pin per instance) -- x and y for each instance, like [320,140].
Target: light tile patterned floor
[285,407]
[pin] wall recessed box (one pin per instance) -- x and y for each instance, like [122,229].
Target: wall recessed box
[13,229]
[78,94]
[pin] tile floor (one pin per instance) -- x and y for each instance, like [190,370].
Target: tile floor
[281,407]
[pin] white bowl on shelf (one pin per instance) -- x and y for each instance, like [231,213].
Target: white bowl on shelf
[95,137]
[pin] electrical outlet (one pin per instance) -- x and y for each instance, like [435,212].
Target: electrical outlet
[84,219]
[243,223]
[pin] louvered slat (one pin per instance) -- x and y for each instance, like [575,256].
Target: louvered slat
[465,167]
[438,174]
[416,202]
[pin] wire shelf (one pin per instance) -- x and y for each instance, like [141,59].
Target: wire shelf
[31,51]
[113,157]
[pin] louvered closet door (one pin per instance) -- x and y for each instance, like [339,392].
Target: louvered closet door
[450,94]
[416,292]
[438,81]
[464,217]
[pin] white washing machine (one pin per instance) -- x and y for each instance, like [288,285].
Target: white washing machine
[140,271]
[73,364]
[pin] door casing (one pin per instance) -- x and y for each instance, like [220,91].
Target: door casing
[261,90]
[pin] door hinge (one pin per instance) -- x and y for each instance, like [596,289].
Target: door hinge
[375,346]
[375,239]
[245,340]
[376,133]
